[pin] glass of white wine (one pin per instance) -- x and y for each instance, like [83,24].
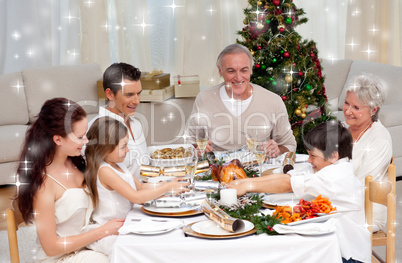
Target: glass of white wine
[260,155]
[191,163]
[201,138]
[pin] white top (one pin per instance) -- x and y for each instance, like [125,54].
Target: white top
[371,156]
[138,151]
[338,183]
[72,213]
[111,203]
[236,107]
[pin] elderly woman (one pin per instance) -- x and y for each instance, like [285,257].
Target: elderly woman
[372,150]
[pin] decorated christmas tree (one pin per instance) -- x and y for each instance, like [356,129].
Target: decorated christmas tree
[285,63]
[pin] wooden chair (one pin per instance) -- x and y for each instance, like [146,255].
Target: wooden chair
[381,193]
[14,219]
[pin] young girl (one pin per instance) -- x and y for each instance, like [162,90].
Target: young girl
[113,188]
[53,190]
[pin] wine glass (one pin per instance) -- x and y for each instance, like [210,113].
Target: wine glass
[201,137]
[251,138]
[191,163]
[260,155]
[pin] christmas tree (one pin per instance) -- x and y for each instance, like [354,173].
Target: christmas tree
[285,63]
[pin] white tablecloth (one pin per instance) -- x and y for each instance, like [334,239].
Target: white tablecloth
[175,247]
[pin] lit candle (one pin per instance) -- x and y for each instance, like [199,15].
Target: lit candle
[229,196]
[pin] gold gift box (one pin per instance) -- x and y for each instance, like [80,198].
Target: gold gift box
[152,82]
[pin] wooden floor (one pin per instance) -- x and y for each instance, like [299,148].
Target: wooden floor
[6,194]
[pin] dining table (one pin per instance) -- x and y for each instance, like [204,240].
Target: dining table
[176,246]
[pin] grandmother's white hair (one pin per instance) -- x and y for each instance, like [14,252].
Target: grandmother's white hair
[370,90]
[234,49]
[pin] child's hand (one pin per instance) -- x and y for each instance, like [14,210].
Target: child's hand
[239,186]
[112,226]
[179,185]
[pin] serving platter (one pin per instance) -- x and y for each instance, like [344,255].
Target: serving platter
[188,230]
[282,199]
[193,211]
[209,227]
[168,162]
[318,219]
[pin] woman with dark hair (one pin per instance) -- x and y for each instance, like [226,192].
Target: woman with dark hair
[53,191]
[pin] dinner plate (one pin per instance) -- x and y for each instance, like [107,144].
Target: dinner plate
[153,232]
[209,227]
[193,211]
[318,219]
[169,210]
[283,199]
[188,231]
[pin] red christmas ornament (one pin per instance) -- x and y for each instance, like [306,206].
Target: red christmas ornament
[294,90]
[286,54]
[257,66]
[294,64]
[298,47]
[276,2]
[284,97]
[301,73]
[259,47]
[312,55]
[281,29]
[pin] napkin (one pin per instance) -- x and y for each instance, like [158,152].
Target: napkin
[149,225]
[307,228]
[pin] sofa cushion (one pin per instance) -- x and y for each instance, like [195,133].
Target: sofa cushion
[390,115]
[11,140]
[75,82]
[13,100]
[392,75]
[336,72]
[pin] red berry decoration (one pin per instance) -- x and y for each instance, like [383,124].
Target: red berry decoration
[257,66]
[259,47]
[312,55]
[281,29]
[301,73]
[276,2]
[284,97]
[286,54]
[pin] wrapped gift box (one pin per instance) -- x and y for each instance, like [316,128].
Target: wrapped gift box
[155,81]
[101,92]
[157,95]
[186,85]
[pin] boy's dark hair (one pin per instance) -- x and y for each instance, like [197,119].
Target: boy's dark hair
[116,72]
[329,137]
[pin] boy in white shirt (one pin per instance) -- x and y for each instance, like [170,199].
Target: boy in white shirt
[329,146]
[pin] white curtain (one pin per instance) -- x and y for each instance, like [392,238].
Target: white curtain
[182,40]
[38,34]
[177,36]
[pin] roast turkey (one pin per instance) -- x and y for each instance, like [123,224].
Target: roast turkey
[228,171]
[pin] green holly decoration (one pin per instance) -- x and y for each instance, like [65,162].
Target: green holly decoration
[288,20]
[308,87]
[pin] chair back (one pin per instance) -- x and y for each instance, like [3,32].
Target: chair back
[14,219]
[392,174]
[381,193]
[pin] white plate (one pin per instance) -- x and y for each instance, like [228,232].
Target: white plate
[209,227]
[152,232]
[169,210]
[285,199]
[315,219]
[168,162]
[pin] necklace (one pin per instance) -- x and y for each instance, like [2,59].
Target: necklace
[362,132]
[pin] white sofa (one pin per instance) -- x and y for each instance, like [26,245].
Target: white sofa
[23,94]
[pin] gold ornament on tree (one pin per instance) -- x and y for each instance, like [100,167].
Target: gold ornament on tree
[303,115]
[298,112]
[288,78]
[259,3]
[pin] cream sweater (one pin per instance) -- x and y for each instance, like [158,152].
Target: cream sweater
[227,131]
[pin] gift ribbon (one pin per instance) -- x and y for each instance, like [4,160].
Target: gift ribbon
[154,72]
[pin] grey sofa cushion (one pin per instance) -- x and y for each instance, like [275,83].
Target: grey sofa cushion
[392,75]
[12,138]
[76,82]
[391,115]
[336,73]
[13,100]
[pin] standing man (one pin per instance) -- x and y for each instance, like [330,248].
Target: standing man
[122,86]
[233,108]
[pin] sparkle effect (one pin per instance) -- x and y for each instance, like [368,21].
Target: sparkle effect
[173,6]
[143,25]
[18,86]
